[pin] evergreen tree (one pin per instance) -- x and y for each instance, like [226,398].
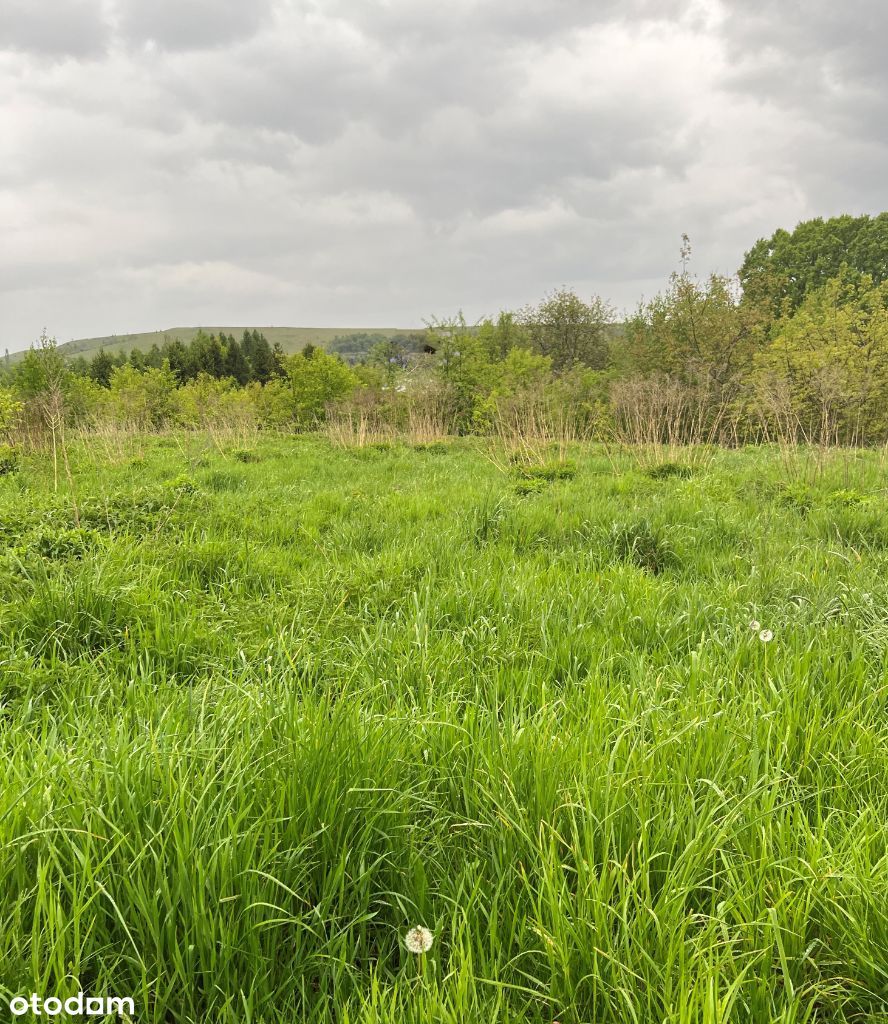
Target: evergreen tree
[236,365]
[208,355]
[260,356]
[180,360]
[100,368]
[280,360]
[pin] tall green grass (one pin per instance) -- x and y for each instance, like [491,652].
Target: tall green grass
[260,717]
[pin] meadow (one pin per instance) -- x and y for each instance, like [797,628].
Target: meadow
[265,708]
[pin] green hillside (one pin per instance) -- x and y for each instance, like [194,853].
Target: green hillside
[292,339]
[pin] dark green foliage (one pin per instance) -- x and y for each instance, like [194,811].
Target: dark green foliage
[224,356]
[100,368]
[665,470]
[235,364]
[9,459]
[258,352]
[208,355]
[790,264]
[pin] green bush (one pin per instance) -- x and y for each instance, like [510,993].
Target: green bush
[9,459]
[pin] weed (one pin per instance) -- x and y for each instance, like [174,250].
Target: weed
[246,455]
[643,545]
[665,470]
[548,471]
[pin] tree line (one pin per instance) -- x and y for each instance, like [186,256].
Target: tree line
[795,345]
[223,356]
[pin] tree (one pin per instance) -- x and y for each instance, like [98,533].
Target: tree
[235,364]
[10,410]
[280,360]
[209,401]
[42,369]
[354,347]
[259,355]
[500,337]
[824,377]
[316,380]
[101,367]
[391,355]
[180,360]
[569,330]
[462,365]
[778,272]
[143,398]
[694,330]
[207,355]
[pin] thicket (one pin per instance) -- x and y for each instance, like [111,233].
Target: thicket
[793,349]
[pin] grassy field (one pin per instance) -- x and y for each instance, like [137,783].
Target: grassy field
[291,339]
[265,709]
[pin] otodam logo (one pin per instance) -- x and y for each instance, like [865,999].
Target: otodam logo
[79,1005]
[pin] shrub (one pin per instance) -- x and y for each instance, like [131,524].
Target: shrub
[141,398]
[208,402]
[9,459]
[317,379]
[798,496]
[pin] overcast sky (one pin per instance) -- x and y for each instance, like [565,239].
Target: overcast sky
[376,162]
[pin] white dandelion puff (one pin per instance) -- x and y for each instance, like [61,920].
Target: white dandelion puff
[419,940]
[766,636]
[755,625]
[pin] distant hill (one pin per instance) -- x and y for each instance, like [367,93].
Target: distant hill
[292,339]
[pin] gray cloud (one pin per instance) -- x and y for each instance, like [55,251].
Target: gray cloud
[366,162]
[190,24]
[75,28]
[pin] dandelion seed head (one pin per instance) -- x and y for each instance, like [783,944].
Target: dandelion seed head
[766,636]
[419,940]
[755,625]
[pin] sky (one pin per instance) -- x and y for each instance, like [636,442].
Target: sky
[374,163]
